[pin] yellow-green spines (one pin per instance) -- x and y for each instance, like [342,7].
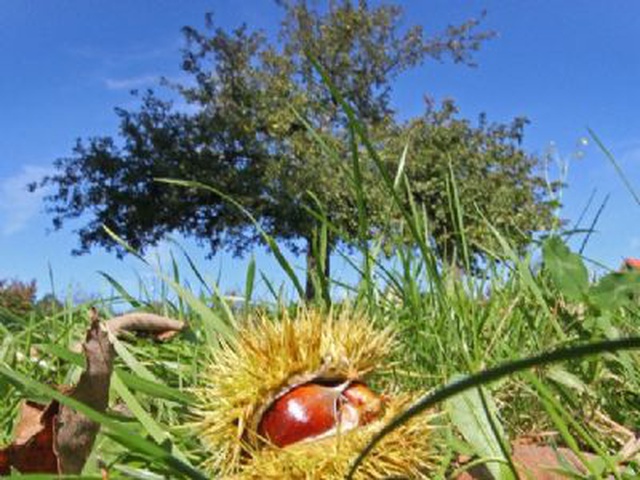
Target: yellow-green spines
[267,358]
[405,453]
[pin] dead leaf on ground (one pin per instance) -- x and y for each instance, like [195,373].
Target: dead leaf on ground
[32,450]
[538,462]
[55,438]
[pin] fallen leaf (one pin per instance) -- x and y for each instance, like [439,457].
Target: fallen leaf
[161,328]
[533,462]
[57,439]
[75,432]
[33,450]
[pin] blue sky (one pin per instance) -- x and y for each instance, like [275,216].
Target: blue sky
[566,65]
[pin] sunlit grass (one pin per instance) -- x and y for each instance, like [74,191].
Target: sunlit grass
[510,324]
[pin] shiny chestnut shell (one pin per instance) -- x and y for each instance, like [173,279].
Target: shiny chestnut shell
[315,410]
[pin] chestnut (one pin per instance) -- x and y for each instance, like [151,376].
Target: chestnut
[315,410]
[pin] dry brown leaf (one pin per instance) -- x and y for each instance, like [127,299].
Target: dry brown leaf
[33,448]
[161,328]
[631,450]
[75,432]
[533,461]
[57,439]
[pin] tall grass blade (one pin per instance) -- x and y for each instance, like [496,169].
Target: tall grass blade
[584,210]
[249,283]
[616,166]
[388,182]
[213,324]
[270,286]
[456,212]
[266,237]
[363,222]
[121,290]
[563,420]
[154,389]
[401,165]
[192,266]
[490,375]
[592,227]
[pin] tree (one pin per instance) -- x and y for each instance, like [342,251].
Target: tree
[497,184]
[244,133]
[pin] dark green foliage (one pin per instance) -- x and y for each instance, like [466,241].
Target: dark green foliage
[496,182]
[49,305]
[252,104]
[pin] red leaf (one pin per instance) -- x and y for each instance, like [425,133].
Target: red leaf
[33,450]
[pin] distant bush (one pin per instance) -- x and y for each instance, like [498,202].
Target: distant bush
[49,305]
[17,297]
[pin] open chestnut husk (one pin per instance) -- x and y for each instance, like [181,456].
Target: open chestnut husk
[285,399]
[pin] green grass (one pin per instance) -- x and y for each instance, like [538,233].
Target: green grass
[542,339]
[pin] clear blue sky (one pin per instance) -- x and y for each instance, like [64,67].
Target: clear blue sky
[65,65]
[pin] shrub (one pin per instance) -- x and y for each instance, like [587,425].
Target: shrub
[17,297]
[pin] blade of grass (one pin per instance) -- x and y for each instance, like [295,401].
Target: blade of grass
[363,222]
[144,382]
[212,323]
[158,433]
[121,290]
[401,165]
[121,433]
[584,210]
[456,212]
[524,272]
[154,389]
[387,181]
[616,166]
[561,418]
[267,238]
[249,284]
[490,375]
[594,223]
[269,285]
[192,265]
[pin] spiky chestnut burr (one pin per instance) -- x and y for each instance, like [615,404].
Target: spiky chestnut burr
[271,362]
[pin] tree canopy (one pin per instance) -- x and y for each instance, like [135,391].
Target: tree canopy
[246,132]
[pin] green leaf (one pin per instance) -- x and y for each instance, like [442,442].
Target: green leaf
[471,419]
[566,269]
[561,376]
[615,290]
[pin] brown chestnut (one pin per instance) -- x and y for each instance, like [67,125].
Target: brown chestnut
[314,410]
